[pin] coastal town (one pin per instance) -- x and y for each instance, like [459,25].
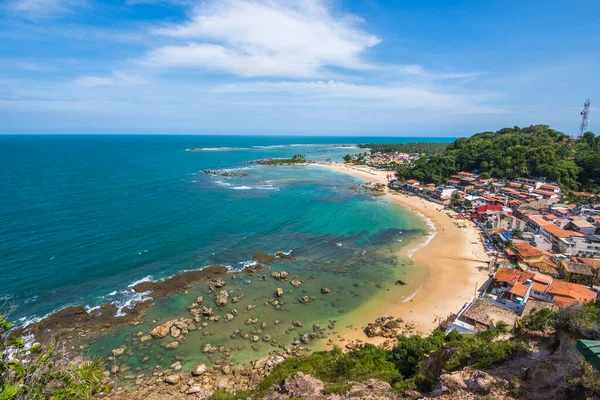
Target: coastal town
[543,246]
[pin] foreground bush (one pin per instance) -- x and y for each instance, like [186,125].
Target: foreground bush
[336,368]
[580,319]
[38,373]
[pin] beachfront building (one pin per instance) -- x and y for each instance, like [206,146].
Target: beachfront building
[412,184]
[513,288]
[479,315]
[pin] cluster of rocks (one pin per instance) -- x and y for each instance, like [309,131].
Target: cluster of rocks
[280,275]
[201,382]
[230,173]
[376,189]
[175,327]
[388,327]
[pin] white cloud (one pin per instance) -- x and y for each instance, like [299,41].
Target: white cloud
[39,9]
[422,72]
[391,96]
[117,78]
[265,38]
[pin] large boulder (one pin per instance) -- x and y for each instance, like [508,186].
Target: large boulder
[199,370]
[303,387]
[118,352]
[280,276]
[172,345]
[162,330]
[173,379]
[263,258]
[221,299]
[278,292]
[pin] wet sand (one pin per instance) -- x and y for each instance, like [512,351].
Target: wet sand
[454,258]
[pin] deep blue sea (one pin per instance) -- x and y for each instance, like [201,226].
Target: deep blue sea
[82,217]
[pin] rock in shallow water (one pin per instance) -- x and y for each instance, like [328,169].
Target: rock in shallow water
[162,330]
[221,299]
[199,369]
[173,379]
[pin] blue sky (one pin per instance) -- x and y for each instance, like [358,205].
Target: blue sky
[312,67]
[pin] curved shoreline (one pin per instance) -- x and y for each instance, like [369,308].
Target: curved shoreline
[451,256]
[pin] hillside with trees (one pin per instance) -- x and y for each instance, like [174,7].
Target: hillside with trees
[416,147]
[537,151]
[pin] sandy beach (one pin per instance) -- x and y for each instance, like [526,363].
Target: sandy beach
[454,257]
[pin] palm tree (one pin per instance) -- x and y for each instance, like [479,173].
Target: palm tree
[500,327]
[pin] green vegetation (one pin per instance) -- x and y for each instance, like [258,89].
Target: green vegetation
[580,319]
[40,373]
[297,159]
[516,152]
[417,147]
[225,395]
[356,158]
[400,367]
[336,368]
[587,386]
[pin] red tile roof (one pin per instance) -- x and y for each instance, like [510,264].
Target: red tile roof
[561,233]
[538,219]
[489,207]
[546,186]
[519,289]
[544,192]
[566,292]
[526,250]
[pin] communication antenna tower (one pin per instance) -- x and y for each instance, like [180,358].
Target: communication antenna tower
[584,118]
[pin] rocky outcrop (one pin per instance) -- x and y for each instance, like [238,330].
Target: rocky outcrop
[386,327]
[473,384]
[221,299]
[162,330]
[280,276]
[263,258]
[303,387]
[307,387]
[226,173]
[201,383]
[283,256]
[199,370]
[175,328]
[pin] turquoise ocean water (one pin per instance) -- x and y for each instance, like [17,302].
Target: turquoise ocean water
[83,217]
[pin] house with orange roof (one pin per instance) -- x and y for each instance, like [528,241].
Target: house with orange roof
[527,253]
[564,241]
[550,188]
[593,263]
[564,294]
[544,194]
[513,289]
[413,184]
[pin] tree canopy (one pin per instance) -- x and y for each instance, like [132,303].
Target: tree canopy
[536,151]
